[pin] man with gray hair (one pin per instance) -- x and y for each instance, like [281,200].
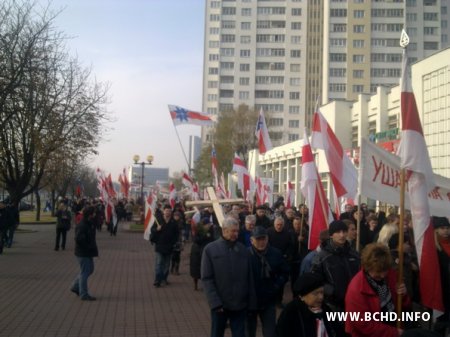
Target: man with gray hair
[246,232]
[228,281]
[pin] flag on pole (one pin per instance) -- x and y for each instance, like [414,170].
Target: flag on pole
[261,192]
[214,168]
[124,183]
[262,133]
[245,181]
[191,185]
[172,195]
[343,173]
[290,192]
[319,215]
[414,157]
[150,208]
[182,116]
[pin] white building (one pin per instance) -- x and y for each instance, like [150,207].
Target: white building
[376,117]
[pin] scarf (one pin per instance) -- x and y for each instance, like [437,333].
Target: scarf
[384,294]
[265,266]
[321,331]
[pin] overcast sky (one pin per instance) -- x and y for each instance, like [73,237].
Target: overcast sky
[151,52]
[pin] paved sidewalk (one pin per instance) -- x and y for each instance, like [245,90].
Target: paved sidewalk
[35,299]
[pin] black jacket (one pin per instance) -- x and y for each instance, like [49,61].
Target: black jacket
[85,243]
[282,241]
[337,266]
[268,284]
[165,238]
[296,320]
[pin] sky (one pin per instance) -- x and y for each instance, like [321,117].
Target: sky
[151,54]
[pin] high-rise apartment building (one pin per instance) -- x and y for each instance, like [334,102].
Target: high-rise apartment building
[282,55]
[255,54]
[361,49]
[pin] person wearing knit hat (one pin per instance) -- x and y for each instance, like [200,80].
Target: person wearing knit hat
[442,239]
[306,314]
[337,263]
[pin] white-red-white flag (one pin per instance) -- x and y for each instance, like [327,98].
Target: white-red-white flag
[290,193]
[214,165]
[150,208]
[262,133]
[191,185]
[261,192]
[415,159]
[342,171]
[245,181]
[319,215]
[172,195]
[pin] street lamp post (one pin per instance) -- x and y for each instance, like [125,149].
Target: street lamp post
[143,163]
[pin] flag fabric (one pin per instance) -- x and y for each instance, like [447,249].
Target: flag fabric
[221,189]
[414,158]
[245,181]
[150,208]
[124,183]
[319,215]
[172,195]
[289,198]
[182,116]
[214,165]
[262,133]
[261,192]
[343,173]
[191,185]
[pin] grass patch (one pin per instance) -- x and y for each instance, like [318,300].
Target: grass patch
[30,216]
[137,227]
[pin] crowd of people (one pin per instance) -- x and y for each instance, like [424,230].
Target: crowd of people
[244,266]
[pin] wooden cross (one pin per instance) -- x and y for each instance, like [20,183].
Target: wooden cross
[215,203]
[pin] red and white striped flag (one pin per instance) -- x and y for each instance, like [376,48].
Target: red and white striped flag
[245,181]
[289,198]
[312,189]
[214,165]
[343,173]
[414,158]
[262,133]
[261,192]
[150,208]
[191,185]
[172,194]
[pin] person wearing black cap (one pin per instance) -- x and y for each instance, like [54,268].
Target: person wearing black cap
[270,273]
[337,263]
[305,316]
[442,237]
[261,217]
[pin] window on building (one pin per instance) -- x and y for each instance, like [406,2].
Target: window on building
[296,25]
[245,53]
[294,81]
[358,58]
[245,39]
[213,71]
[244,81]
[214,31]
[212,98]
[296,11]
[227,38]
[358,28]
[358,14]
[213,84]
[295,68]
[246,25]
[430,16]
[228,10]
[226,93]
[338,42]
[430,46]
[246,12]
[295,39]
[244,95]
[295,53]
[294,124]
[227,24]
[227,65]
[430,30]
[357,73]
[214,17]
[275,122]
[294,110]
[339,27]
[227,79]
[211,111]
[244,67]
[292,137]
[338,12]
[294,95]
[411,17]
[357,88]
[214,57]
[338,72]
[226,51]
[338,57]
[215,4]
[358,43]
[337,87]
[213,44]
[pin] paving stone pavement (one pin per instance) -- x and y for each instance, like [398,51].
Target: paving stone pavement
[35,299]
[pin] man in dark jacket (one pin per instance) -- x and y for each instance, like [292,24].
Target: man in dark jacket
[228,281]
[261,217]
[337,263]
[164,234]
[85,251]
[270,272]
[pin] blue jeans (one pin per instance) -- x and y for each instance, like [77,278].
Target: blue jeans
[162,265]
[86,269]
[268,321]
[219,322]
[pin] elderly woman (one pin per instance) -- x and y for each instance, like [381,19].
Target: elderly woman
[306,314]
[374,290]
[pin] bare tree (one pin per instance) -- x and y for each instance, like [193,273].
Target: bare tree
[53,103]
